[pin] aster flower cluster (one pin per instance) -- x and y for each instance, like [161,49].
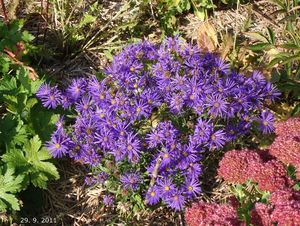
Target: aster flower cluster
[157,110]
[238,166]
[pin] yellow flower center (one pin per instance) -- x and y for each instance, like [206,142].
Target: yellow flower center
[192,97]
[190,188]
[166,155]
[102,96]
[135,86]
[113,101]
[213,137]
[167,188]
[216,105]
[57,146]
[265,123]
[152,194]
[129,147]
[132,69]
[168,74]
[132,181]
[138,110]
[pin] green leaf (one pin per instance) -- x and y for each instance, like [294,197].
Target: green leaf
[290,46]
[271,36]
[45,125]
[87,19]
[9,185]
[296,110]
[260,46]
[28,85]
[27,37]
[31,161]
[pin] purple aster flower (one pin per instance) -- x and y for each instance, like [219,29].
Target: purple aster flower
[102,177]
[221,66]
[141,109]
[51,97]
[104,138]
[154,138]
[65,101]
[166,157]
[193,170]
[89,180]
[165,186]
[131,146]
[153,195]
[84,105]
[76,89]
[175,200]
[59,145]
[152,97]
[192,187]
[108,200]
[272,93]
[44,91]
[266,121]
[217,140]
[131,180]
[176,103]
[217,105]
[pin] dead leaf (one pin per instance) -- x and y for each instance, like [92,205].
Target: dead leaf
[226,45]
[207,37]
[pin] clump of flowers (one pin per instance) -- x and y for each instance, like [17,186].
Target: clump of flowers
[271,176]
[286,146]
[201,214]
[283,209]
[157,110]
[239,166]
[236,165]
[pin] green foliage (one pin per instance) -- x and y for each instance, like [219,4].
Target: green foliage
[23,159]
[167,11]
[31,162]
[9,186]
[284,55]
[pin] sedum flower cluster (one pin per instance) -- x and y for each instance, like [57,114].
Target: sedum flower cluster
[202,214]
[157,110]
[286,146]
[283,209]
[238,166]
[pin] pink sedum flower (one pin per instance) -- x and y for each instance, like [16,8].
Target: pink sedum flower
[203,214]
[236,165]
[261,215]
[271,176]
